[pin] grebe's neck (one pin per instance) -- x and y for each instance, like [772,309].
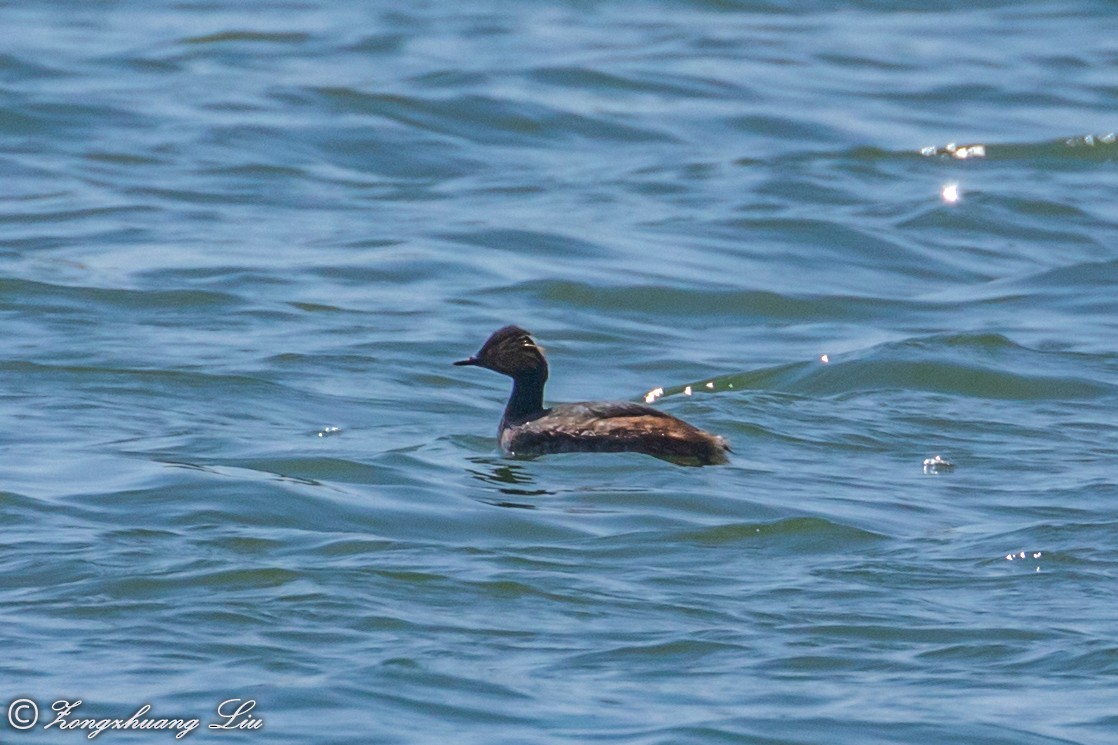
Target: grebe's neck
[526,400]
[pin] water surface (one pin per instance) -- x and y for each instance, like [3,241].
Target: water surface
[240,247]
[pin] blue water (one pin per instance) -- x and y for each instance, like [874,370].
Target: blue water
[241,244]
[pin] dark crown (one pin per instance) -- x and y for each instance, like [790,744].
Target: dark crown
[510,351]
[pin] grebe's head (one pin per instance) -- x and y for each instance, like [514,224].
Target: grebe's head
[510,351]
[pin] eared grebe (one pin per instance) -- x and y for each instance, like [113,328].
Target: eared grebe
[527,428]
